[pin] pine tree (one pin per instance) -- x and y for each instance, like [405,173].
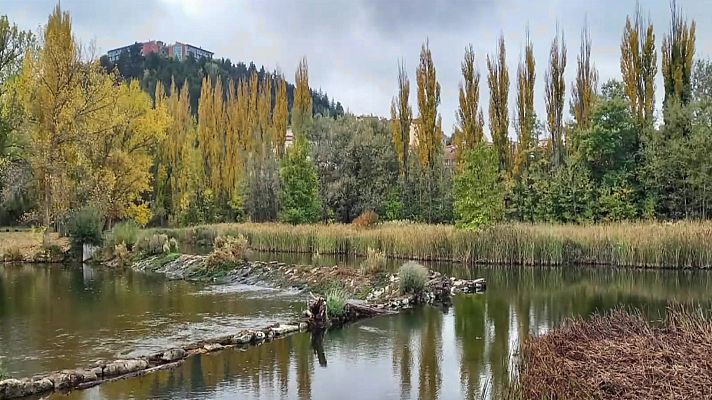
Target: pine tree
[585,86]
[526,117]
[498,82]
[401,115]
[555,95]
[470,129]
[429,123]
[638,67]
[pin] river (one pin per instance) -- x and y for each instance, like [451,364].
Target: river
[54,317]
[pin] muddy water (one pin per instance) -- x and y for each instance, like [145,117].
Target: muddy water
[54,318]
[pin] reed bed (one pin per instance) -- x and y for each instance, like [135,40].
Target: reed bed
[643,244]
[619,355]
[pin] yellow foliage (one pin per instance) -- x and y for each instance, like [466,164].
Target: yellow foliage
[140,213]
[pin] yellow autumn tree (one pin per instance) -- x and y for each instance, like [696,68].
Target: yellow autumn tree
[678,50]
[428,126]
[555,90]
[280,116]
[526,118]
[401,114]
[584,87]
[639,67]
[302,107]
[498,82]
[470,120]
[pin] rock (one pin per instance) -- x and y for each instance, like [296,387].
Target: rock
[122,367]
[213,347]
[284,329]
[259,336]
[13,388]
[303,326]
[242,338]
[173,355]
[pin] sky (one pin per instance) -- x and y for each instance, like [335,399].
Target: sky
[353,46]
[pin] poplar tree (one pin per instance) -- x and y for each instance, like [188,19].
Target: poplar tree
[638,67]
[678,50]
[302,107]
[401,114]
[498,82]
[280,116]
[526,117]
[584,87]
[470,129]
[429,123]
[555,88]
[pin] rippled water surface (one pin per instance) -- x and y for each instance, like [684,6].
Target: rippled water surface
[60,317]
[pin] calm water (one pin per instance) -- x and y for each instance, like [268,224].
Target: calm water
[54,318]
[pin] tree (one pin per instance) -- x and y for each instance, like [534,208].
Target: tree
[526,117]
[470,129]
[678,50]
[401,115]
[280,117]
[584,87]
[638,68]
[555,94]
[299,196]
[428,126]
[478,189]
[63,96]
[498,82]
[302,109]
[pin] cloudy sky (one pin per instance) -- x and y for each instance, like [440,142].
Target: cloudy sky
[353,47]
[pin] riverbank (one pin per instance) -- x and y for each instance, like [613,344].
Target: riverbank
[26,246]
[620,355]
[644,244]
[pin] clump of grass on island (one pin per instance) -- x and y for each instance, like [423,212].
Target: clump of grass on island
[336,299]
[374,263]
[619,355]
[641,244]
[412,277]
[227,251]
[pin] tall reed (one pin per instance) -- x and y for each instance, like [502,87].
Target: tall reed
[642,244]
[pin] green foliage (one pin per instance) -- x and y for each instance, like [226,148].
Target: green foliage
[299,198]
[412,277]
[126,232]
[478,191]
[336,300]
[227,250]
[85,226]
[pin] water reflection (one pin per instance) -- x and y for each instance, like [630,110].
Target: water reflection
[425,353]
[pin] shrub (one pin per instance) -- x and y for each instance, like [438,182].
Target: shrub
[204,236]
[157,244]
[413,277]
[227,250]
[121,253]
[85,226]
[125,232]
[336,301]
[375,261]
[366,219]
[13,254]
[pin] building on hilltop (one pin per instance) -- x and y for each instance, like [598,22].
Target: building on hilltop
[178,50]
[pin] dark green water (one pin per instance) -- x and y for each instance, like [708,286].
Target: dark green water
[54,318]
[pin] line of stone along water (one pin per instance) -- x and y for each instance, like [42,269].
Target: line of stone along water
[385,297]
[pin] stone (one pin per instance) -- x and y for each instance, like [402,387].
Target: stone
[173,355]
[303,326]
[242,338]
[122,367]
[13,388]
[285,329]
[42,385]
[259,336]
[213,347]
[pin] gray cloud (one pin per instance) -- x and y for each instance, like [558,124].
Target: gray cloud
[353,46]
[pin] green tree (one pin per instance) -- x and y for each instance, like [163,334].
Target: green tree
[470,120]
[639,67]
[428,126]
[555,87]
[526,117]
[401,115]
[299,196]
[498,82]
[478,190]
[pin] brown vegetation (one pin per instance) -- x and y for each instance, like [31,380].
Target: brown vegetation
[620,355]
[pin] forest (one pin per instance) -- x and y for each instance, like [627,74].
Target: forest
[169,143]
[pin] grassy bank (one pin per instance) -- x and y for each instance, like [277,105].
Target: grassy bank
[619,355]
[26,245]
[655,245]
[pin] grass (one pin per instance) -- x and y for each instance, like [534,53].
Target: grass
[24,245]
[640,244]
[374,263]
[336,299]
[412,277]
[619,355]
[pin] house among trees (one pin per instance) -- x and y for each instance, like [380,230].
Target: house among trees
[177,50]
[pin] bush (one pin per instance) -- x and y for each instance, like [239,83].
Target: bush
[157,244]
[227,250]
[121,253]
[375,261]
[125,232]
[413,277]
[13,254]
[336,301]
[85,226]
[366,219]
